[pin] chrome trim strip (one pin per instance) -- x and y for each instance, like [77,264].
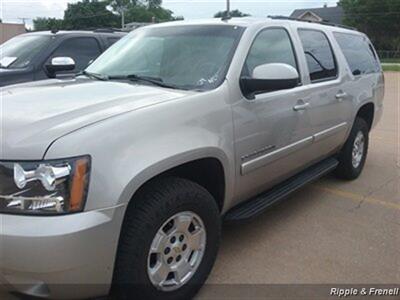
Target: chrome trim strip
[266,159]
[329,132]
[258,152]
[263,160]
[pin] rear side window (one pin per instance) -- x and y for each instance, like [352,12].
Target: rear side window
[82,50]
[270,46]
[359,53]
[319,55]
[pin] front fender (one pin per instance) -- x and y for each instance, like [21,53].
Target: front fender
[130,149]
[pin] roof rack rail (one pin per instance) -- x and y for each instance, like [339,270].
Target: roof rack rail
[309,21]
[107,30]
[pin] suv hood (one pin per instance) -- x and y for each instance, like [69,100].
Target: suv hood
[34,115]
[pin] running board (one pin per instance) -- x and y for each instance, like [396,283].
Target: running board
[260,203]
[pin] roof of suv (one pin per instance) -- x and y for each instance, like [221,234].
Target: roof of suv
[250,21]
[105,32]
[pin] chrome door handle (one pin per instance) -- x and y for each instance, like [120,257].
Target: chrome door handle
[299,107]
[340,96]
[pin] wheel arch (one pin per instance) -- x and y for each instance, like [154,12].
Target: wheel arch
[367,113]
[206,169]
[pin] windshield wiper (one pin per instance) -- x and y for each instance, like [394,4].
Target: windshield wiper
[93,75]
[152,80]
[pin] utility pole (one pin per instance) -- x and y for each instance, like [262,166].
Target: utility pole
[24,20]
[228,8]
[118,8]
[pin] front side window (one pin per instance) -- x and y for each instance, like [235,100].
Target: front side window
[319,55]
[358,52]
[270,46]
[186,57]
[81,49]
[19,52]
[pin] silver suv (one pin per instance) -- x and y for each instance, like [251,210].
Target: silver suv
[118,180]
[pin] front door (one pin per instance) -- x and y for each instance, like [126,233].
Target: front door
[270,139]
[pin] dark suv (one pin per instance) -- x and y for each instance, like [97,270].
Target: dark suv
[42,55]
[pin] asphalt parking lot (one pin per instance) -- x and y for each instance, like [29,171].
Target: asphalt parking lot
[330,232]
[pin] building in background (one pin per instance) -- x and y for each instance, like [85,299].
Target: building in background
[322,14]
[7,31]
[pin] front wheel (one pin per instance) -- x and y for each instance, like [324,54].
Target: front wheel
[168,243]
[354,153]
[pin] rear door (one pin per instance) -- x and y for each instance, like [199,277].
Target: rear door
[330,106]
[366,83]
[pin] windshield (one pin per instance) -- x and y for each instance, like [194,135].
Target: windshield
[186,57]
[20,51]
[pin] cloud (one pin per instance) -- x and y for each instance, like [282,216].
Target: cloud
[258,8]
[14,10]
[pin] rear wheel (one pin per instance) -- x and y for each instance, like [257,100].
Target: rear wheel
[168,243]
[354,153]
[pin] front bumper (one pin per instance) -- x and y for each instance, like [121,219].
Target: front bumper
[63,257]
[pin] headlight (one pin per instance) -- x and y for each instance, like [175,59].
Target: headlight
[44,187]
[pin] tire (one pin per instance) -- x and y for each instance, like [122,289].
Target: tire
[151,208]
[349,168]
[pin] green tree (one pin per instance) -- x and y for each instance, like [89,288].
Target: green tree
[234,14]
[154,3]
[89,14]
[142,11]
[42,24]
[146,13]
[379,19]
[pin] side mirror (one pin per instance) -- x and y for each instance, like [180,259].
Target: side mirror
[60,64]
[268,78]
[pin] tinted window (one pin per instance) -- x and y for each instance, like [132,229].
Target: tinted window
[270,46]
[112,41]
[319,55]
[81,50]
[358,52]
[20,51]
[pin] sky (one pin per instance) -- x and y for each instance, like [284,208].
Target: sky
[13,10]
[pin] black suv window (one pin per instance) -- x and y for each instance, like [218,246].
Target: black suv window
[112,40]
[21,51]
[270,46]
[81,49]
[320,59]
[358,52]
